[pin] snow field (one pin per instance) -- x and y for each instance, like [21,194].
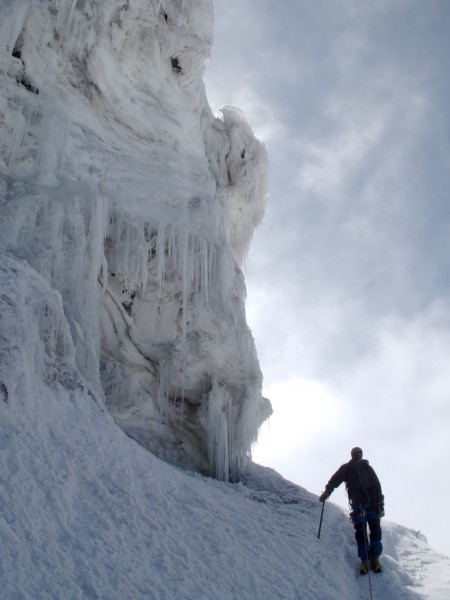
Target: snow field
[88,513]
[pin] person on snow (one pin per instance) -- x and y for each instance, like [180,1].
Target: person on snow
[367,506]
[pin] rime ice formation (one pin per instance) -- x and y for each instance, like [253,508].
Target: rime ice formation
[127,210]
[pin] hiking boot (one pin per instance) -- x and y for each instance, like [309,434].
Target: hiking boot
[364,567]
[376,567]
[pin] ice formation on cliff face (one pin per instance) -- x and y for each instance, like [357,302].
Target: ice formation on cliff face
[127,211]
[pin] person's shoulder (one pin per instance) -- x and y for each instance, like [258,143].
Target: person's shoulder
[368,466]
[341,471]
[365,465]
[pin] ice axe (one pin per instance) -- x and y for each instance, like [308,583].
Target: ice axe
[321,519]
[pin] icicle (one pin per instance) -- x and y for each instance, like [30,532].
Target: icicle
[160,254]
[219,431]
[11,24]
[52,135]
[26,118]
[67,25]
[183,263]
[103,273]
[164,376]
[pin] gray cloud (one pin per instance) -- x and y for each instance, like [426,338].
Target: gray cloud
[347,277]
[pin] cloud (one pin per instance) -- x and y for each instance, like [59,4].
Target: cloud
[303,408]
[327,163]
[262,116]
[406,373]
[348,286]
[393,402]
[368,136]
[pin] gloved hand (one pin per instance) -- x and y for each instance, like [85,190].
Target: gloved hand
[324,496]
[381,510]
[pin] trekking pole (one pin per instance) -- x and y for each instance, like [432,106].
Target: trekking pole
[321,519]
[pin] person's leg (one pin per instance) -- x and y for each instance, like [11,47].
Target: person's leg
[361,537]
[376,546]
[359,520]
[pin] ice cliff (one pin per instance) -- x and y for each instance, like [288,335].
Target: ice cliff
[127,209]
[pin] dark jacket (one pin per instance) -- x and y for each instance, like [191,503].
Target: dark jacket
[362,483]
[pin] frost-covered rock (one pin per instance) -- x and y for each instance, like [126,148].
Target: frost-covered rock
[135,206]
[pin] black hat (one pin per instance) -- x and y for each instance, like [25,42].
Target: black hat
[356,450]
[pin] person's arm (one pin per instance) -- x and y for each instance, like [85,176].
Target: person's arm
[379,497]
[335,481]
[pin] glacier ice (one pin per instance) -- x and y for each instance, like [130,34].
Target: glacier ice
[127,212]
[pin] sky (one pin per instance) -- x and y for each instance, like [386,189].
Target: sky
[347,277]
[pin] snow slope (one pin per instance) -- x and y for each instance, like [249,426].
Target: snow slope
[88,513]
[126,212]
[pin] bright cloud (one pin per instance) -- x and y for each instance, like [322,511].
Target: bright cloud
[303,408]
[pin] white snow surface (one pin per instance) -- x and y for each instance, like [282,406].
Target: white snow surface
[87,513]
[127,209]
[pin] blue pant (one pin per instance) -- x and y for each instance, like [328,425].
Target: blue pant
[360,517]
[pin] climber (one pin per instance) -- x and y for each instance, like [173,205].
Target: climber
[367,506]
